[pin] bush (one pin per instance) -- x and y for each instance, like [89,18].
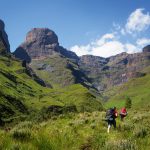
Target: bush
[140,132]
[25,124]
[21,134]
[128,102]
[98,141]
[121,145]
[42,142]
[126,127]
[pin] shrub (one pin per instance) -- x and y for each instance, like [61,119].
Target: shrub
[21,134]
[140,132]
[98,141]
[25,124]
[42,142]
[126,127]
[93,125]
[121,145]
[128,102]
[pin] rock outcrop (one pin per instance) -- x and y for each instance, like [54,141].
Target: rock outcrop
[4,43]
[40,43]
[146,48]
[108,72]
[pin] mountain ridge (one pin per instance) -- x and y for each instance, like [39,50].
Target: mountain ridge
[97,72]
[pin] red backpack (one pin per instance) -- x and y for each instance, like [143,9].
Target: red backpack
[123,111]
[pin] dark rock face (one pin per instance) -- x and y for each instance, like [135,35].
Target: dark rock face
[146,48]
[32,74]
[108,72]
[4,43]
[40,43]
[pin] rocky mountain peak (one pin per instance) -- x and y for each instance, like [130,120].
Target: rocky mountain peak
[40,43]
[4,43]
[42,36]
[146,48]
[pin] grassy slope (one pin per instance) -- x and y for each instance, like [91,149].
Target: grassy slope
[57,73]
[75,131]
[79,132]
[20,92]
[137,89]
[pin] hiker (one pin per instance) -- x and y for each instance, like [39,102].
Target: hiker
[123,113]
[111,115]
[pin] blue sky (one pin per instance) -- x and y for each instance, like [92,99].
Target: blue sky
[98,27]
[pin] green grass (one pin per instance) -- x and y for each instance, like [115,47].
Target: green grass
[20,94]
[57,74]
[137,89]
[80,131]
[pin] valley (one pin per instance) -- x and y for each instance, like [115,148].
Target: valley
[51,99]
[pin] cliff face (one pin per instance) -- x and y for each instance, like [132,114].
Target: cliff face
[4,43]
[41,43]
[115,70]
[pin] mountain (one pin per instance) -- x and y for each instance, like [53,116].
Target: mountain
[41,43]
[4,43]
[136,89]
[106,73]
[57,66]
[23,92]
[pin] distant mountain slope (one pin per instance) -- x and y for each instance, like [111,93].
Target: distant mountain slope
[106,73]
[138,89]
[59,67]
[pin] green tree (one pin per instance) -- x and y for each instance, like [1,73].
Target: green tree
[128,102]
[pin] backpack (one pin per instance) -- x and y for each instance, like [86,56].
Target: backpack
[110,114]
[123,112]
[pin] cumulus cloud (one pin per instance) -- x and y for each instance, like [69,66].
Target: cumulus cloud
[143,42]
[81,50]
[131,48]
[137,21]
[111,43]
[105,46]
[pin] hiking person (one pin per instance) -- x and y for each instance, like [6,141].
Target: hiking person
[111,115]
[123,113]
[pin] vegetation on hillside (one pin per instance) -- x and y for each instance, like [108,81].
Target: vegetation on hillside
[82,131]
[136,89]
[21,95]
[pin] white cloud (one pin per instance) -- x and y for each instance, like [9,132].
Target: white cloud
[108,49]
[81,50]
[143,42]
[130,48]
[111,43]
[137,21]
[106,37]
[105,46]
[116,26]
[122,31]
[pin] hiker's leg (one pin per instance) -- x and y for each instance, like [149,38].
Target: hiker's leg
[108,129]
[121,117]
[109,125]
[114,123]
